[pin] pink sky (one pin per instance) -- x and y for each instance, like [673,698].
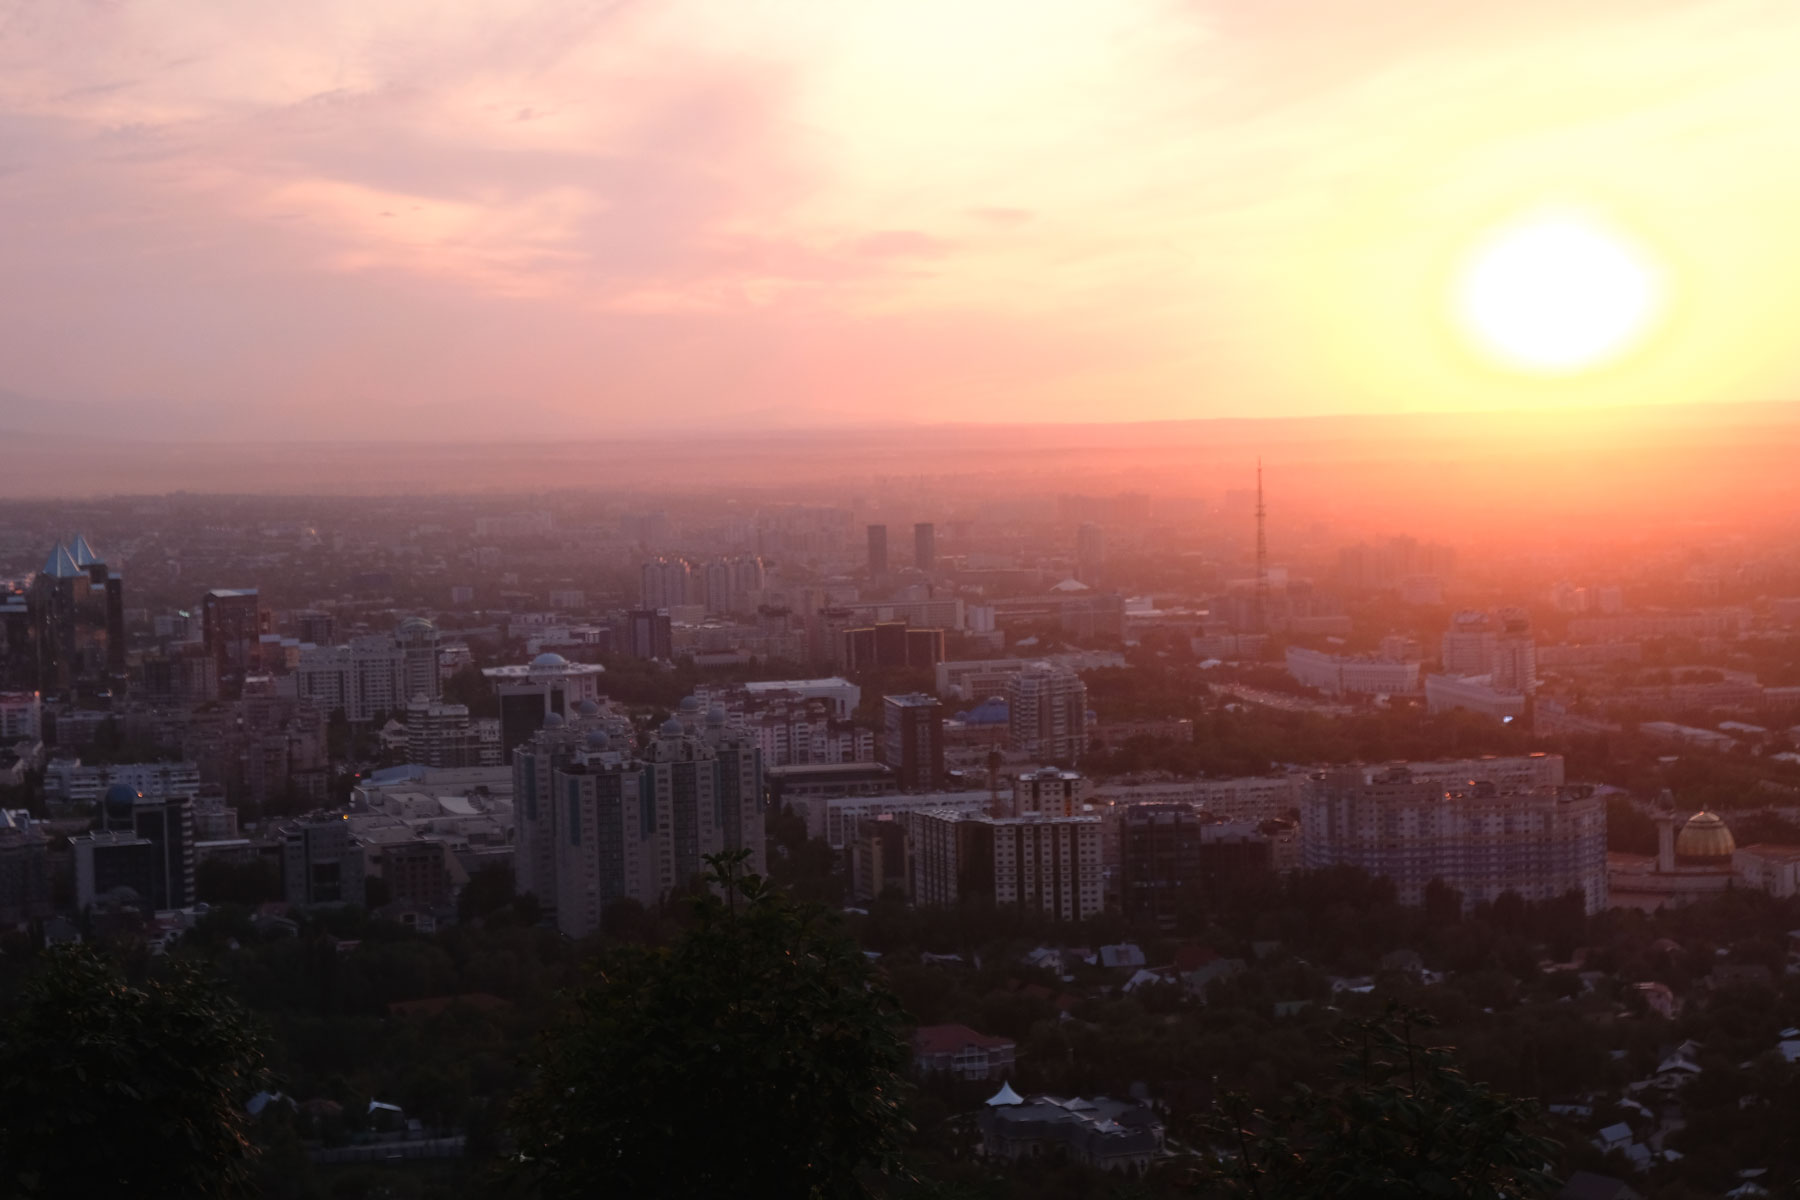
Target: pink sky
[430,219]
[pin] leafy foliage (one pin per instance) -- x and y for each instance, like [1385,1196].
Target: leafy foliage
[1402,1122]
[755,1056]
[113,1087]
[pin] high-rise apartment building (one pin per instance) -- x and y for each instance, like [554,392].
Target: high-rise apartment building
[371,674]
[878,558]
[597,823]
[1048,791]
[732,585]
[1515,654]
[925,546]
[1171,856]
[666,583]
[1050,864]
[1047,713]
[1090,552]
[1479,837]
[1467,647]
[912,740]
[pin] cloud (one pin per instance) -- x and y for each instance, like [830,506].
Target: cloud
[355,218]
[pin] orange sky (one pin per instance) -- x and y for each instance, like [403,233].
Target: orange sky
[414,218]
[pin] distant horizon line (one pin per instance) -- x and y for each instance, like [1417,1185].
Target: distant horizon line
[829,428]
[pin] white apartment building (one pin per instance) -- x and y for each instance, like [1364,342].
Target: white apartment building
[1047,713]
[1482,839]
[372,674]
[837,819]
[1337,674]
[21,717]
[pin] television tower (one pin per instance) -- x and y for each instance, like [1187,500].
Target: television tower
[1262,557]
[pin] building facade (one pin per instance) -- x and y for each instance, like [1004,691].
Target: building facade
[1479,837]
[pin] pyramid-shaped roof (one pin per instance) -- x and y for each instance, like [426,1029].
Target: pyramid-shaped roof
[61,564]
[82,553]
[1005,1096]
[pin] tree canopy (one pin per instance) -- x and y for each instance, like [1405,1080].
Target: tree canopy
[757,1055]
[112,1087]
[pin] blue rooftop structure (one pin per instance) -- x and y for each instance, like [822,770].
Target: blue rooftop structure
[61,564]
[82,553]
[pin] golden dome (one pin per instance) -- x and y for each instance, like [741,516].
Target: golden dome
[1705,836]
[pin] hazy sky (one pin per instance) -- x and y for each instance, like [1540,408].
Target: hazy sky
[538,219]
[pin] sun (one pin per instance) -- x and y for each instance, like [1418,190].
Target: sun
[1557,294]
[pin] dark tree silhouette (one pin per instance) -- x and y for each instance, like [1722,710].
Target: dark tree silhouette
[1401,1122]
[757,1056]
[110,1087]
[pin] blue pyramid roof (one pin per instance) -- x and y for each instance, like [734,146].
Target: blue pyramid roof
[61,564]
[82,553]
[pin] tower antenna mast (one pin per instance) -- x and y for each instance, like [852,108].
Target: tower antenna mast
[1262,556]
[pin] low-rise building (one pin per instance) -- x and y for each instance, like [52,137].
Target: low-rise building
[960,1051]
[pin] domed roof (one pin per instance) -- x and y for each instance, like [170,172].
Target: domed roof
[413,625]
[597,740]
[121,795]
[671,728]
[554,721]
[1705,836]
[549,661]
[690,704]
[588,708]
[715,715]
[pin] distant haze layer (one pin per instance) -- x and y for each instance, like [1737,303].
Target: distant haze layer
[1600,476]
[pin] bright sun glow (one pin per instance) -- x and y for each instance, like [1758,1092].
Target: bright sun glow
[1557,294]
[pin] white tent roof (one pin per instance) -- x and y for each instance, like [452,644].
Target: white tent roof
[1005,1095]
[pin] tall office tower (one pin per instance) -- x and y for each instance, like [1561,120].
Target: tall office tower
[76,617]
[1051,864]
[322,862]
[1515,654]
[1481,838]
[1468,645]
[418,642]
[878,562]
[1049,791]
[648,633]
[1047,713]
[1090,552]
[167,823]
[549,685]
[18,640]
[666,583]
[925,546]
[913,740]
[232,623]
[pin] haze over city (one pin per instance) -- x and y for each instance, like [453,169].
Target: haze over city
[1126,600]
